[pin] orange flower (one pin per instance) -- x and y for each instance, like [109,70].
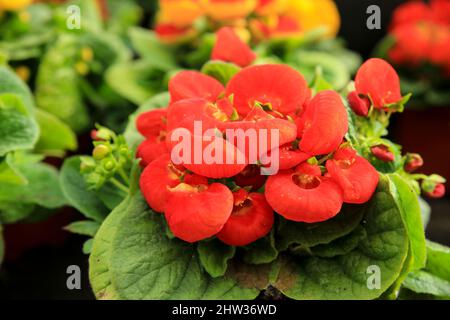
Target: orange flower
[268,7]
[171,34]
[179,13]
[276,27]
[14,4]
[228,9]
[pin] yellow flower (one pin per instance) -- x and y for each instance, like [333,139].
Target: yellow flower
[312,14]
[220,10]
[180,13]
[14,4]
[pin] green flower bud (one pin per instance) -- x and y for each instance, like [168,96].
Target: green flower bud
[101,151]
[109,165]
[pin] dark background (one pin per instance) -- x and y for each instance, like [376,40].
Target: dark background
[40,273]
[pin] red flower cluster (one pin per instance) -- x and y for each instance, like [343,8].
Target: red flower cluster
[422,34]
[196,197]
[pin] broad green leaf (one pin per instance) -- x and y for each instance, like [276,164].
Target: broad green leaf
[132,258]
[347,276]
[14,212]
[84,227]
[221,71]
[18,129]
[438,260]
[56,137]
[137,80]
[57,90]
[412,216]
[9,173]
[340,246]
[261,251]
[214,256]
[425,282]
[312,234]
[11,83]
[42,187]
[133,137]
[149,47]
[77,192]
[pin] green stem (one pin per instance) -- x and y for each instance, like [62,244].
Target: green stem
[119,185]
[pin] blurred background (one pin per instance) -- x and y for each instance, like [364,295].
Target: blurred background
[37,254]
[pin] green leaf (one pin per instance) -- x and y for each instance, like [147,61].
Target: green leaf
[408,203]
[18,130]
[57,90]
[87,246]
[15,212]
[77,193]
[334,71]
[56,137]
[152,50]
[424,282]
[214,256]
[133,137]
[261,251]
[438,260]
[340,246]
[132,258]
[9,173]
[11,83]
[84,228]
[42,187]
[347,276]
[221,71]
[137,80]
[312,234]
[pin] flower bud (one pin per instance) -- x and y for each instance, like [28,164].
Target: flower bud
[101,151]
[413,162]
[437,192]
[360,106]
[109,165]
[382,153]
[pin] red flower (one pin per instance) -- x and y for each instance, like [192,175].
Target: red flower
[378,80]
[360,106]
[152,123]
[169,33]
[413,162]
[212,157]
[410,13]
[252,218]
[304,195]
[323,124]
[382,153]
[151,149]
[156,178]
[438,192]
[274,87]
[357,178]
[289,156]
[250,177]
[229,47]
[263,125]
[193,84]
[183,113]
[197,212]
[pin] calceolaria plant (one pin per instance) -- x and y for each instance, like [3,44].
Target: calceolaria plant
[325,208]
[29,188]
